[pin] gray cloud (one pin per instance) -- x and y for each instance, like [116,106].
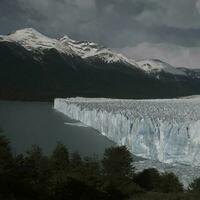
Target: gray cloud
[114,23]
[173,13]
[178,56]
[129,8]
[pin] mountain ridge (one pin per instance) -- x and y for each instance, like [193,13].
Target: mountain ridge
[28,37]
[36,67]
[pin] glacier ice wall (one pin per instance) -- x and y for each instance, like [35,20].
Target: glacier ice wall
[163,130]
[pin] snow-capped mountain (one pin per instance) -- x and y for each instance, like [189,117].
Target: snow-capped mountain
[33,40]
[32,63]
[86,49]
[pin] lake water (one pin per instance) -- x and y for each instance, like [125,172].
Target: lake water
[28,123]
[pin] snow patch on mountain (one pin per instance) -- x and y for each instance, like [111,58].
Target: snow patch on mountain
[33,40]
[156,66]
[87,49]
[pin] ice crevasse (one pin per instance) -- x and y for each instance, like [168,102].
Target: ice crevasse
[163,130]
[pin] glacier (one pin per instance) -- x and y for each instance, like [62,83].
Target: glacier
[165,130]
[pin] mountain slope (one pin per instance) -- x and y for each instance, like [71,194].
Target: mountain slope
[35,67]
[157,66]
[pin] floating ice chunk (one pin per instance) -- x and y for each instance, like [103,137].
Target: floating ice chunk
[76,124]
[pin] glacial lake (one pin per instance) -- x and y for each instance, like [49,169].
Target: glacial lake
[28,123]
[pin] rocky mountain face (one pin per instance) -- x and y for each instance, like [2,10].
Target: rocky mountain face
[36,67]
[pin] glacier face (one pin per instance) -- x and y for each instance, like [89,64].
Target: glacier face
[164,130]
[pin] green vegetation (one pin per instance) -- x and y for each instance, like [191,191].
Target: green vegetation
[63,176]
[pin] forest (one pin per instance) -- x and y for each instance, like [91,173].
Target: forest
[67,175]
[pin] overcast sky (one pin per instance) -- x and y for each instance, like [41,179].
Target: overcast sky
[162,29]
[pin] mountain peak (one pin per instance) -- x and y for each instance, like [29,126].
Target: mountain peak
[156,65]
[25,33]
[27,30]
[65,38]
[31,39]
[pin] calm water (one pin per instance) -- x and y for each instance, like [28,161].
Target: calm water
[28,123]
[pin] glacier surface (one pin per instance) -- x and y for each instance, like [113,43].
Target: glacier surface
[167,131]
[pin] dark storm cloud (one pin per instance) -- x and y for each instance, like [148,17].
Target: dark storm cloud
[175,55]
[133,21]
[10,12]
[115,23]
[128,8]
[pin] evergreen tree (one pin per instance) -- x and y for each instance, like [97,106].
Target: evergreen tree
[91,166]
[60,158]
[76,160]
[36,163]
[149,179]
[37,172]
[117,162]
[170,183]
[6,167]
[195,186]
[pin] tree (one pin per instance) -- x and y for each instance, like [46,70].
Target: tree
[59,158]
[5,151]
[117,162]
[69,188]
[36,169]
[36,162]
[76,160]
[170,183]
[91,166]
[195,186]
[6,166]
[152,180]
[149,179]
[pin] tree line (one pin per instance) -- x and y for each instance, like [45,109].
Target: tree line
[63,175]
